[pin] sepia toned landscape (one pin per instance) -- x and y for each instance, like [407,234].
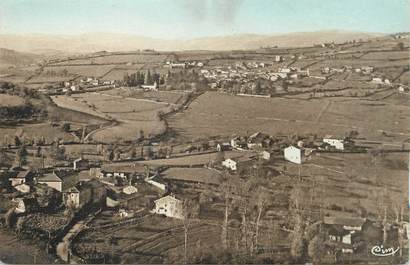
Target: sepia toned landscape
[287,148]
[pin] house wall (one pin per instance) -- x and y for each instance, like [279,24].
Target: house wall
[229,164]
[72,200]
[17,181]
[347,239]
[169,207]
[293,155]
[338,144]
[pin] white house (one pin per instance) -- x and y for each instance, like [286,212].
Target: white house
[265,155]
[169,206]
[294,154]
[129,190]
[229,163]
[71,198]
[278,58]
[21,177]
[337,143]
[377,80]
[153,87]
[51,180]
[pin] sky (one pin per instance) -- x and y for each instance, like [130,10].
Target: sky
[201,18]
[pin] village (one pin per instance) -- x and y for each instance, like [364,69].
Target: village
[138,167]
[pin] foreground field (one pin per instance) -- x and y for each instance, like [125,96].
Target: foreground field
[215,114]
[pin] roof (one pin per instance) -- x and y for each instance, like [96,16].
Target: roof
[72,190]
[203,175]
[50,177]
[167,198]
[123,168]
[293,147]
[80,159]
[334,137]
[346,221]
[23,174]
[337,230]
[93,183]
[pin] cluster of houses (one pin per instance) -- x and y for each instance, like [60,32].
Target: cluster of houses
[86,82]
[110,185]
[183,65]
[297,153]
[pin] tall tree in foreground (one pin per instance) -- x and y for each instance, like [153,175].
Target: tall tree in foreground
[229,191]
[316,248]
[190,211]
[261,200]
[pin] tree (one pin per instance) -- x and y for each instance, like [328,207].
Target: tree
[109,154]
[148,78]
[316,248]
[297,248]
[262,198]
[38,151]
[141,136]
[400,46]
[190,211]
[57,152]
[4,158]
[21,156]
[229,191]
[17,141]
[66,127]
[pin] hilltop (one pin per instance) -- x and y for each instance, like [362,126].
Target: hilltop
[92,42]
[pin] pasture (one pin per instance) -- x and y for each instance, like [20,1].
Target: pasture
[31,131]
[217,114]
[131,114]
[83,70]
[10,100]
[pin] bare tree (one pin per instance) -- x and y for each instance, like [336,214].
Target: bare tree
[262,199]
[190,211]
[229,191]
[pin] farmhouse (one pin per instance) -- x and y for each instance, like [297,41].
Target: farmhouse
[278,58]
[51,180]
[258,140]
[84,193]
[21,177]
[153,87]
[343,231]
[294,154]
[71,198]
[336,142]
[230,164]
[223,147]
[122,170]
[265,155]
[238,143]
[169,206]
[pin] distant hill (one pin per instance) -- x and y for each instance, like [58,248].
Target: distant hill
[11,57]
[93,42]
